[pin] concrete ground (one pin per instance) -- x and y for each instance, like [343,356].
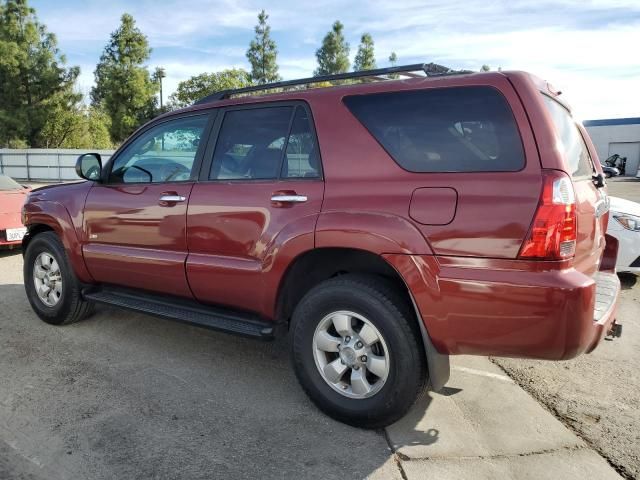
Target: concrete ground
[123,395]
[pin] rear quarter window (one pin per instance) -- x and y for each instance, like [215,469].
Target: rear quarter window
[575,151]
[455,129]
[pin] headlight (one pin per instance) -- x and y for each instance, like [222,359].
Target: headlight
[630,222]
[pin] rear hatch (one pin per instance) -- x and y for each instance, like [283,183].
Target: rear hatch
[591,201]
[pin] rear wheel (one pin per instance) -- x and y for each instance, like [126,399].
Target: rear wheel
[356,352]
[50,283]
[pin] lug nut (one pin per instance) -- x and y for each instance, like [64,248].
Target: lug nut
[359,345]
[363,358]
[356,367]
[347,339]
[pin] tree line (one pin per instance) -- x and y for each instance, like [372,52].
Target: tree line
[40,106]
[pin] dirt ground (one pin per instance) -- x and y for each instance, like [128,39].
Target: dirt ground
[598,395]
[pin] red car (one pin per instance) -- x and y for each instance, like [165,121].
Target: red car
[385,225]
[12,197]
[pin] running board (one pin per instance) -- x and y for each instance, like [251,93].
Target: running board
[185,311]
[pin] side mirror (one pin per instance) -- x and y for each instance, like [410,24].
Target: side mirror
[89,167]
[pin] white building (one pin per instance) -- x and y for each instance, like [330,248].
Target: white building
[617,135]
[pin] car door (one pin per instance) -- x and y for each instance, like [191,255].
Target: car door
[256,204]
[135,220]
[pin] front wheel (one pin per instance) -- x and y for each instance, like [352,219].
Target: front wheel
[50,283]
[356,350]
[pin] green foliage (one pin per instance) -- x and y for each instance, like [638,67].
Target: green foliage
[393,59]
[333,55]
[33,79]
[485,68]
[124,88]
[365,58]
[199,86]
[158,74]
[262,53]
[80,127]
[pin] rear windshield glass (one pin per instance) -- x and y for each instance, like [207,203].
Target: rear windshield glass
[8,183]
[573,146]
[457,129]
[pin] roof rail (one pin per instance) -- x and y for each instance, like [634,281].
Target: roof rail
[429,70]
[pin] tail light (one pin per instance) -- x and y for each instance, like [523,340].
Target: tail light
[552,235]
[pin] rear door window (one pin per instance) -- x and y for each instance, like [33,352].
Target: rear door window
[266,143]
[575,151]
[457,129]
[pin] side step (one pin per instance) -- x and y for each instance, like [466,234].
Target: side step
[183,310]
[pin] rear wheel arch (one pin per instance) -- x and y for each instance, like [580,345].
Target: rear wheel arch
[315,266]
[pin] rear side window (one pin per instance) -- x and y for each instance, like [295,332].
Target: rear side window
[265,143]
[457,129]
[250,144]
[575,150]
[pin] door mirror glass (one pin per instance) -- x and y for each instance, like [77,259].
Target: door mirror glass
[89,167]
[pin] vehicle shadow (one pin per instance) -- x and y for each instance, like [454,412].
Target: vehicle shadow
[627,280]
[10,252]
[124,395]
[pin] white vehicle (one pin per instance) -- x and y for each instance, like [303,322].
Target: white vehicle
[624,224]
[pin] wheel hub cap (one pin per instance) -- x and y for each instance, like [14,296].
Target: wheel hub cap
[47,279]
[351,354]
[348,356]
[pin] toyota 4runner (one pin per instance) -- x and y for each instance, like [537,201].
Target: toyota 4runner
[384,225]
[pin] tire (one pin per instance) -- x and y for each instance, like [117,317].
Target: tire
[378,303]
[66,306]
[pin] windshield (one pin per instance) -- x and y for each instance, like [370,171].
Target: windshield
[8,183]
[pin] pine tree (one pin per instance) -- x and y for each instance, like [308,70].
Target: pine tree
[124,87]
[262,53]
[333,55]
[393,60]
[34,81]
[365,58]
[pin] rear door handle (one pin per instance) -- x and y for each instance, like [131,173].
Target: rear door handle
[172,198]
[289,198]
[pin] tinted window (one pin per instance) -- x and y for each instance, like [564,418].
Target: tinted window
[301,159]
[251,143]
[575,150]
[461,129]
[164,153]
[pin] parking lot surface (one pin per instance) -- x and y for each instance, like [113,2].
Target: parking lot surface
[123,395]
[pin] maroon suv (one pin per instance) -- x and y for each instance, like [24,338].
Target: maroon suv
[385,224]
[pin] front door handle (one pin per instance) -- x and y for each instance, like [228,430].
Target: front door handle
[172,198]
[289,198]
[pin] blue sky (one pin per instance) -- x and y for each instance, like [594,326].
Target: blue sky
[586,48]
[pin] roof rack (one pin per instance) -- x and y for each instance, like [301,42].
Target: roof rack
[429,70]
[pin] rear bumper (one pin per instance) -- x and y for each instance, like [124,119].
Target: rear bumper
[509,308]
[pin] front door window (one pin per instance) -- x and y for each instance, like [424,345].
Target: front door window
[164,153]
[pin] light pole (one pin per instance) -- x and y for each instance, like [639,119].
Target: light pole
[160,74]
